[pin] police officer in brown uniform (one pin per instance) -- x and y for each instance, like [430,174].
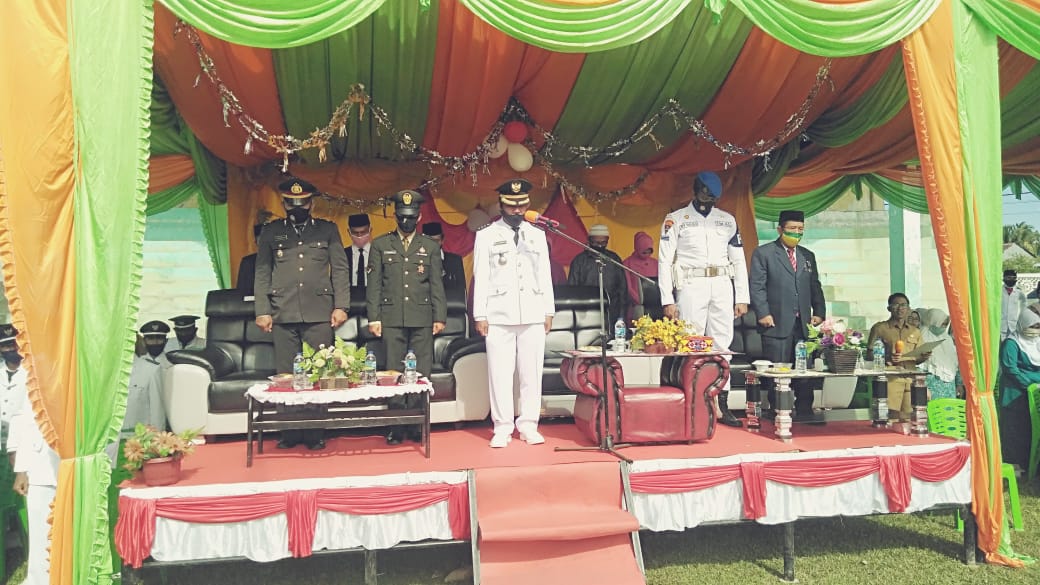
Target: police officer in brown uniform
[405,294]
[302,284]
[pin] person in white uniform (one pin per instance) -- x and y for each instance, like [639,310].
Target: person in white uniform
[513,307]
[1012,301]
[36,473]
[702,273]
[12,382]
[186,334]
[144,395]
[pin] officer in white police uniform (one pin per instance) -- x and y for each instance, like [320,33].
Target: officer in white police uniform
[702,270]
[186,334]
[12,381]
[513,306]
[36,478]
[144,395]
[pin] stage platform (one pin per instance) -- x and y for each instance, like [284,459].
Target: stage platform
[361,493]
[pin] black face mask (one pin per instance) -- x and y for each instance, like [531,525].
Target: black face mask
[598,247]
[298,214]
[512,220]
[1010,282]
[407,224]
[155,350]
[12,357]
[702,207]
[186,335]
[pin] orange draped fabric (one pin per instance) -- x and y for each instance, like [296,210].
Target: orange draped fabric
[168,171]
[248,71]
[477,68]
[740,201]
[1023,159]
[768,82]
[931,71]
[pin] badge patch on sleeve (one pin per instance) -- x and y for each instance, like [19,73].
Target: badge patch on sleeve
[667,226]
[735,241]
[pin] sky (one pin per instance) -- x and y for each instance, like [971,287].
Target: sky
[1025,210]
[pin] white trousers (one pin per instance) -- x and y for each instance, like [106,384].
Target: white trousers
[707,304]
[38,508]
[519,350]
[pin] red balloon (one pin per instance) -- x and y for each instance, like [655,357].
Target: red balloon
[515,131]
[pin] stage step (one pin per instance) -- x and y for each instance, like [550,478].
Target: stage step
[554,524]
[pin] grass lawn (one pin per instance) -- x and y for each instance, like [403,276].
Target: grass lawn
[912,549]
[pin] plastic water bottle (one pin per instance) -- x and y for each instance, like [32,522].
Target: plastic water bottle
[370,368]
[620,334]
[801,357]
[879,356]
[411,376]
[300,380]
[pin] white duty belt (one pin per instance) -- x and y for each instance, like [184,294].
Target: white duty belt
[682,275]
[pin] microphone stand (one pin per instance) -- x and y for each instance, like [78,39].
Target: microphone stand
[607,441]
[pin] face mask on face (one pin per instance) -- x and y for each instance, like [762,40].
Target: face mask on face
[184,336]
[1031,333]
[597,246]
[298,214]
[703,207]
[1010,282]
[407,224]
[12,357]
[155,350]
[361,241]
[791,239]
[512,220]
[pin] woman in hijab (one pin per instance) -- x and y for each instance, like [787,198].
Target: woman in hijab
[643,262]
[915,316]
[944,377]
[1020,367]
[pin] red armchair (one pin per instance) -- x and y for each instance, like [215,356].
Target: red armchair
[677,410]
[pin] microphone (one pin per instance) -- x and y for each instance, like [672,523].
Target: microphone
[538,219]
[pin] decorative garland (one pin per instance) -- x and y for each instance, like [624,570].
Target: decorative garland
[473,162]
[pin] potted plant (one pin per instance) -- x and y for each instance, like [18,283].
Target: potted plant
[157,454]
[841,346]
[660,336]
[337,366]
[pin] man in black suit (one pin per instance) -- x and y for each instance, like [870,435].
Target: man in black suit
[247,266]
[454,273]
[360,228]
[786,294]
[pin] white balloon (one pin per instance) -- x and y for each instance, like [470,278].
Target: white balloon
[520,159]
[477,219]
[499,148]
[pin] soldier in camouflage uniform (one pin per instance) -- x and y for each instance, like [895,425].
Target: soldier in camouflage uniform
[405,294]
[302,285]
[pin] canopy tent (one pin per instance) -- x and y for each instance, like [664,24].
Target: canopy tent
[77,156]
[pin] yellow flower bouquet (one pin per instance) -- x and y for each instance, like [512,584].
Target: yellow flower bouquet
[669,335]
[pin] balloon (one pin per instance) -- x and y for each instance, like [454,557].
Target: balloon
[520,159]
[499,148]
[515,131]
[477,219]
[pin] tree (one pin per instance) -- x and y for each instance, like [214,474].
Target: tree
[1021,264]
[1024,235]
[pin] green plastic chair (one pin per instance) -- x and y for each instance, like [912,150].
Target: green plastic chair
[947,417]
[1033,392]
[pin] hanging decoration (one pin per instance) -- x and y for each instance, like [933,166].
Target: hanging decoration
[511,135]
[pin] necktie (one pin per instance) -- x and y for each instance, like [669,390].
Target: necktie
[360,267]
[516,236]
[794,261]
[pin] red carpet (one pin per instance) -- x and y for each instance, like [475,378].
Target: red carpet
[555,524]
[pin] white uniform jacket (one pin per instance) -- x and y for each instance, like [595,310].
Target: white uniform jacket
[690,240]
[14,394]
[173,344]
[512,283]
[144,396]
[32,454]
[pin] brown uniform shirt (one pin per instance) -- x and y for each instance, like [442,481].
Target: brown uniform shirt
[890,333]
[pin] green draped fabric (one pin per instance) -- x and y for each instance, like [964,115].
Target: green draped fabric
[813,202]
[109,40]
[167,128]
[577,29]
[896,193]
[834,30]
[878,105]
[767,172]
[1013,22]
[1019,114]
[215,227]
[618,90]
[264,23]
[1020,185]
[400,37]
[172,197]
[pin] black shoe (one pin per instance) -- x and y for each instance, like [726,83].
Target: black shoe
[415,435]
[393,438]
[729,419]
[317,445]
[284,444]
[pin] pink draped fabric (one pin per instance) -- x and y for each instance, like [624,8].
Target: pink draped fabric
[561,208]
[894,472]
[458,239]
[135,530]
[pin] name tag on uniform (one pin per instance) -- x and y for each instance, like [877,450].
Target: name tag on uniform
[389,252]
[281,238]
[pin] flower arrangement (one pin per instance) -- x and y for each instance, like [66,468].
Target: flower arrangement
[343,359]
[833,335]
[673,334]
[149,442]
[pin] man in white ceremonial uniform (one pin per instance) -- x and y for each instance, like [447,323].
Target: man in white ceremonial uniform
[35,466]
[513,307]
[1012,301]
[144,396]
[186,334]
[702,273]
[12,382]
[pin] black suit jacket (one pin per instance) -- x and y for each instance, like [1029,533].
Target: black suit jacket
[349,251]
[454,273]
[246,274]
[779,291]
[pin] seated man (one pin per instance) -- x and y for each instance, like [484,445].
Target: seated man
[899,337]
